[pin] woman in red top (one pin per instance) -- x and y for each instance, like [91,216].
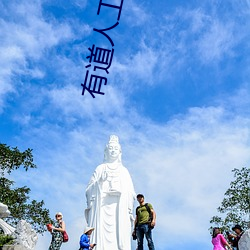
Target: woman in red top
[218,240]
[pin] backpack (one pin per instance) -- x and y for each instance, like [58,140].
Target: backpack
[149,212]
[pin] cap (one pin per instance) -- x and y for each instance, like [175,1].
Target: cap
[140,195]
[237,227]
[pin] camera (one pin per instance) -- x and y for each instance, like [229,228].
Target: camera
[134,235]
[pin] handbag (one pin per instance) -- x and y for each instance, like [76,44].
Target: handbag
[49,227]
[65,236]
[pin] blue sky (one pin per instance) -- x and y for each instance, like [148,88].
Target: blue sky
[177,95]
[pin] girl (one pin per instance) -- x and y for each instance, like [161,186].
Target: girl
[218,240]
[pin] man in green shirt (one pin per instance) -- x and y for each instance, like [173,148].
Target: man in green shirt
[144,223]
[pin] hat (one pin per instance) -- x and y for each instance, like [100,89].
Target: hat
[237,227]
[87,229]
[59,213]
[140,195]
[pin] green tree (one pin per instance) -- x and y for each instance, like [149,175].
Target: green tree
[17,199]
[235,207]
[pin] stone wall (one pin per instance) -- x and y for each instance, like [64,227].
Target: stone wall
[13,247]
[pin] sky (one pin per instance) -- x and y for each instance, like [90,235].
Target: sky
[177,95]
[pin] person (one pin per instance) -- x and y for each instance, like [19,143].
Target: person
[110,198]
[85,239]
[142,226]
[218,240]
[56,231]
[239,231]
[231,240]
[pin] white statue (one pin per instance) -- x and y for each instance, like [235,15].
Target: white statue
[110,197]
[4,212]
[244,242]
[25,235]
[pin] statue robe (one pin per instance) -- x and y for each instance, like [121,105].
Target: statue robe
[244,242]
[110,197]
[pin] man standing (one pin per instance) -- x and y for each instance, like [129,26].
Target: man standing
[144,223]
[238,230]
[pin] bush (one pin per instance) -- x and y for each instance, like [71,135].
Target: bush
[6,240]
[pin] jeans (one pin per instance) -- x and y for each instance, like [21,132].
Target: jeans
[142,230]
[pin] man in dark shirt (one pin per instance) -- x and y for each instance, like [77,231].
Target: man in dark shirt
[144,223]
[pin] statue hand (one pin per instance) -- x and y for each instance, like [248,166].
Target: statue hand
[132,217]
[104,175]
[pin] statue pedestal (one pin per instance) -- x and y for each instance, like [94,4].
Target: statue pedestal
[13,247]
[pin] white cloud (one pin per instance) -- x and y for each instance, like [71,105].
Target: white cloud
[139,68]
[174,42]
[217,42]
[80,3]
[198,19]
[183,167]
[195,33]
[70,100]
[32,33]
[134,13]
[25,35]
[239,102]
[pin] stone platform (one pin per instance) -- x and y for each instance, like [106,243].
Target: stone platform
[13,247]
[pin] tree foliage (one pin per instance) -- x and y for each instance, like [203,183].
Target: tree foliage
[235,206]
[17,199]
[6,239]
[12,159]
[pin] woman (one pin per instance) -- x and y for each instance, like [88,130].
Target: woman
[218,240]
[56,231]
[84,240]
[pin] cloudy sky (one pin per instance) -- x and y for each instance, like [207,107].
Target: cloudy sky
[177,94]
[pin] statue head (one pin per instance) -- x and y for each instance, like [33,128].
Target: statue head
[113,150]
[4,211]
